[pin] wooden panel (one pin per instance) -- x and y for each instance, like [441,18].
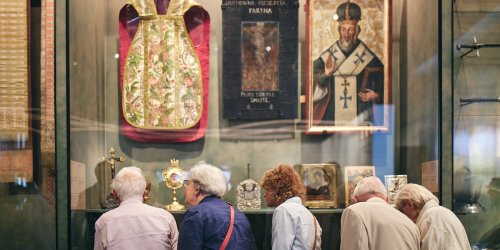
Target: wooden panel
[47,142]
[16,166]
[14,71]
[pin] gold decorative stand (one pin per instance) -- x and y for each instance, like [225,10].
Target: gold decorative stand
[174,179]
[112,160]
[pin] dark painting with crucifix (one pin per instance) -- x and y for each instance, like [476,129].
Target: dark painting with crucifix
[348,65]
[260,59]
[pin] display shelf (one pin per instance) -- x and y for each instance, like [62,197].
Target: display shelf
[260,211]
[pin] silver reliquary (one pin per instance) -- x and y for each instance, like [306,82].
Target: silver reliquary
[248,195]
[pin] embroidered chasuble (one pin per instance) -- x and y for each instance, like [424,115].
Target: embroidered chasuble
[164,70]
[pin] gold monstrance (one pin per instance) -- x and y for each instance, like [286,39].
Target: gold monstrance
[174,179]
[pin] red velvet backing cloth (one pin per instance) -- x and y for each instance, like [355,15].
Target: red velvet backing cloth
[198,25]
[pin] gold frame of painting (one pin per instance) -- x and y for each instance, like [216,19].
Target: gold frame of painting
[320,181]
[352,175]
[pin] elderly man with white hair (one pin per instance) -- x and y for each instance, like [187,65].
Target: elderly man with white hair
[372,223]
[210,222]
[439,227]
[133,224]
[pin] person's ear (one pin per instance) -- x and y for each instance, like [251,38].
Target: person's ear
[145,196]
[115,195]
[355,199]
[407,203]
[410,204]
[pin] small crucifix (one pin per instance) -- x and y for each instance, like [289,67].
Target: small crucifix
[345,97]
[112,160]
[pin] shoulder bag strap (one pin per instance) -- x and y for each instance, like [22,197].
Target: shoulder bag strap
[229,231]
[315,232]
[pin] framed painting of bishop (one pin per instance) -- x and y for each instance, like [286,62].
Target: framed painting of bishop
[348,65]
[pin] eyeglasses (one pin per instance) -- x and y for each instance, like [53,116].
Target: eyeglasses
[186,182]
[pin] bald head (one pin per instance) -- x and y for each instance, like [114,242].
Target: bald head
[369,187]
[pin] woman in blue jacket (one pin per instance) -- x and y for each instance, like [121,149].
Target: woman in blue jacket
[207,222]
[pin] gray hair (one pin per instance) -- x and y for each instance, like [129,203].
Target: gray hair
[370,185]
[210,179]
[129,183]
[415,193]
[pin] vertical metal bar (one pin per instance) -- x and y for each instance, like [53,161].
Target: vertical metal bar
[62,125]
[446,102]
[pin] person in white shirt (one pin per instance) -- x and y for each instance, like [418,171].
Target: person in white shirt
[371,223]
[133,224]
[293,226]
[439,227]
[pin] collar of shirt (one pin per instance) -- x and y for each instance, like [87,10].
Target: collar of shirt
[294,199]
[376,199]
[131,201]
[428,205]
[209,197]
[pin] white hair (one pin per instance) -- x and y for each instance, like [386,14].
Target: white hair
[370,185]
[415,193]
[210,179]
[129,183]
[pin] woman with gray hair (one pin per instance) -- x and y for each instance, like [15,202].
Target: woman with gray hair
[439,227]
[210,222]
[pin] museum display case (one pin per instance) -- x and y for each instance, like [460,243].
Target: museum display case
[404,140]
[243,85]
[475,120]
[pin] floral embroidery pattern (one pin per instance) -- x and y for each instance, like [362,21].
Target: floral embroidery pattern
[162,86]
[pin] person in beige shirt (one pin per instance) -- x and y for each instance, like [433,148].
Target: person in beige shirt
[371,223]
[439,227]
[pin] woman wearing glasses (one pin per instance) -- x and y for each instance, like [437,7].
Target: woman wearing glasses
[211,223]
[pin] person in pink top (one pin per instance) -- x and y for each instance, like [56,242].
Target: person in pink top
[133,224]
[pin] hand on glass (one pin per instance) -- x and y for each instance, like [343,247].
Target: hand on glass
[368,95]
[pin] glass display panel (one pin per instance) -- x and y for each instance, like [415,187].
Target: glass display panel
[246,149]
[27,141]
[476,113]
